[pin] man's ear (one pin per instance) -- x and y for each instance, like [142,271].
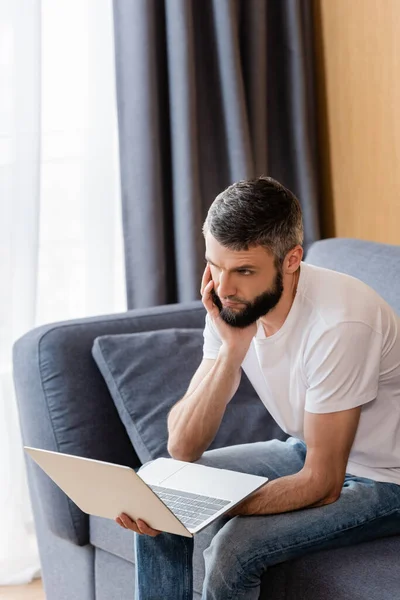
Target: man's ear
[293,259]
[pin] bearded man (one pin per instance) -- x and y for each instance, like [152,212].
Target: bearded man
[322,351]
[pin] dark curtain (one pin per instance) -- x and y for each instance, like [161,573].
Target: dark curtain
[209,92]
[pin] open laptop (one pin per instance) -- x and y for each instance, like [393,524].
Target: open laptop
[169,495]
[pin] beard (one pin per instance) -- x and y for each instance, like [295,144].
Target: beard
[253,310]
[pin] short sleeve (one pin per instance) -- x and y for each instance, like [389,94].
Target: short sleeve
[212,341]
[342,368]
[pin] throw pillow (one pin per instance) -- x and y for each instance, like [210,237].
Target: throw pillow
[148,372]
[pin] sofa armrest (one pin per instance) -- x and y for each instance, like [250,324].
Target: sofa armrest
[64,404]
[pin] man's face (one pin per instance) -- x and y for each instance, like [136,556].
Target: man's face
[247,284]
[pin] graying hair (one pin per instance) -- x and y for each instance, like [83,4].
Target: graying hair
[256,212]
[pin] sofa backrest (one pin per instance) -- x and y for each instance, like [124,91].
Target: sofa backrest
[64,404]
[378,265]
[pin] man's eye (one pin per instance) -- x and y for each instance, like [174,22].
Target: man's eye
[245,272]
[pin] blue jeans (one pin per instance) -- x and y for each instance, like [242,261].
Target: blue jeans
[243,548]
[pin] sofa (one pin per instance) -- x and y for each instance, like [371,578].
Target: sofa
[65,405]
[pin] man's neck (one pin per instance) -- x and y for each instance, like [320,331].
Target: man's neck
[274,320]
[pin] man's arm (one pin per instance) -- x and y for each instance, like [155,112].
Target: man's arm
[329,438]
[194,421]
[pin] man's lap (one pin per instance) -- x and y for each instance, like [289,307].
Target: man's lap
[238,550]
[365,510]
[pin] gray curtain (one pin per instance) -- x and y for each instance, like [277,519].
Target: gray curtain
[209,92]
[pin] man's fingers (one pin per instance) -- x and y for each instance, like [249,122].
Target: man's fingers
[205,279]
[138,527]
[207,285]
[144,528]
[207,298]
[118,520]
[127,524]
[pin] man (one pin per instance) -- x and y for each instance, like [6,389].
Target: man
[322,350]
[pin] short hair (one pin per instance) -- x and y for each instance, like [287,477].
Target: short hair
[256,212]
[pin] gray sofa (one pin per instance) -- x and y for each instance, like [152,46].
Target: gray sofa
[64,405]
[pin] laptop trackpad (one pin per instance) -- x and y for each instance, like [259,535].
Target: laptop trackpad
[157,471]
[218,483]
[199,479]
[184,476]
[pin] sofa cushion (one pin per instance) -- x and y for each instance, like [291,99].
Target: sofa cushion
[148,372]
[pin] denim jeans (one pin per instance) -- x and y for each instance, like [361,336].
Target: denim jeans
[243,548]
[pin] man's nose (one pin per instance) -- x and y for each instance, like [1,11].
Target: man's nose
[225,287]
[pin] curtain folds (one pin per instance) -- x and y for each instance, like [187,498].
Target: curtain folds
[208,93]
[19,244]
[61,250]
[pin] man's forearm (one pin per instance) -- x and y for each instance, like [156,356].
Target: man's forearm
[194,421]
[293,492]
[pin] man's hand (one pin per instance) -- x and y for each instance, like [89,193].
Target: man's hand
[138,526]
[233,338]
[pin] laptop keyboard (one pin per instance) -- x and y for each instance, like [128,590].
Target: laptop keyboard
[191,509]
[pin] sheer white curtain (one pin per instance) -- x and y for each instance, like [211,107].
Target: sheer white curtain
[61,248]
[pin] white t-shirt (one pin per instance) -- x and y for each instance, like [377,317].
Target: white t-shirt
[338,348]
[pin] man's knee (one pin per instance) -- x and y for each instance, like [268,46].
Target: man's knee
[237,454]
[222,567]
[271,459]
[229,550]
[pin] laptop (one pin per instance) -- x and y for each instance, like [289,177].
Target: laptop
[169,495]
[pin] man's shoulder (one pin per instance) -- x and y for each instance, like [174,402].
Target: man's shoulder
[337,298]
